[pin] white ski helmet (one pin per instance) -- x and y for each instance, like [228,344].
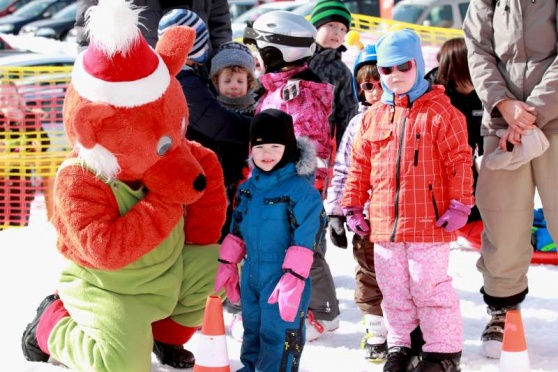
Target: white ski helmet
[282,37]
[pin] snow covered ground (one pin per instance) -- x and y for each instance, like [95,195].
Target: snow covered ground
[29,265]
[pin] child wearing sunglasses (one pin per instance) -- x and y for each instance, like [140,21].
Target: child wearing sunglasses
[411,151]
[367,294]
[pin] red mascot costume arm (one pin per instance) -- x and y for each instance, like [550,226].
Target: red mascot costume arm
[205,218]
[91,230]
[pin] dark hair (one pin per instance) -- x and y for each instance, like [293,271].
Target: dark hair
[366,73]
[453,70]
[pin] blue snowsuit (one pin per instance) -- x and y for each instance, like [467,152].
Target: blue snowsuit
[275,210]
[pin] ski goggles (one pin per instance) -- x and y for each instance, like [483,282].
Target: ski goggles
[370,85]
[404,67]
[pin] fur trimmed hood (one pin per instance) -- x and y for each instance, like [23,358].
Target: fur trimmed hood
[306,163]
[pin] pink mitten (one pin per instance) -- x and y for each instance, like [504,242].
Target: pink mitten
[288,291]
[455,216]
[232,251]
[356,221]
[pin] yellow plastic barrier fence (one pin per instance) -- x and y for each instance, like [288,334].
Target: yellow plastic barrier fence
[32,139]
[372,28]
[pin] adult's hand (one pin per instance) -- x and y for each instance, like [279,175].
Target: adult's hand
[519,115]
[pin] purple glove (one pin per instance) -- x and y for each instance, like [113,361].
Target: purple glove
[288,291]
[455,217]
[356,221]
[232,251]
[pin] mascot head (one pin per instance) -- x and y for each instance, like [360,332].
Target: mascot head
[125,112]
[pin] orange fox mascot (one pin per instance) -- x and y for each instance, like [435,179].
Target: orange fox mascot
[138,209]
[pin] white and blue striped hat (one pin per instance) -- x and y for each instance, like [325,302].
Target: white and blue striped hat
[183,17]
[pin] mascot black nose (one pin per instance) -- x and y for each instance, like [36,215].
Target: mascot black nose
[199,183]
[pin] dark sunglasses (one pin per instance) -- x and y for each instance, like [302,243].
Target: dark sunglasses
[404,67]
[370,85]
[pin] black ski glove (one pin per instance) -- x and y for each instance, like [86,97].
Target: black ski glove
[336,226]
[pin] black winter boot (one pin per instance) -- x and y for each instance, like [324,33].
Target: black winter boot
[439,362]
[29,343]
[400,359]
[173,355]
[417,341]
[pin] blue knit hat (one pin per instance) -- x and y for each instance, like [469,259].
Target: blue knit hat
[184,17]
[232,54]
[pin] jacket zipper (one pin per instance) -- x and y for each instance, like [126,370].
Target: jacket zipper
[433,198]
[398,174]
[416,156]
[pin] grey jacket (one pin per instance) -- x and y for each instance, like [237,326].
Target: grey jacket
[215,14]
[512,54]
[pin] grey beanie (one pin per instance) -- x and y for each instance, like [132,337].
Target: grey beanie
[231,54]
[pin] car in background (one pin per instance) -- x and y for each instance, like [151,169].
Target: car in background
[56,27]
[35,10]
[434,13]
[10,6]
[239,23]
[237,7]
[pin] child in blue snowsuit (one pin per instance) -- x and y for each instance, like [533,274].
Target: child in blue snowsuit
[277,222]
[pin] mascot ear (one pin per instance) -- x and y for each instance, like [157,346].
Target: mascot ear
[88,121]
[174,46]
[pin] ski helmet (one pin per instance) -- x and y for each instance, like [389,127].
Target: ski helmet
[281,38]
[366,57]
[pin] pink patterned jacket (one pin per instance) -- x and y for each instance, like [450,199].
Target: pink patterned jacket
[310,104]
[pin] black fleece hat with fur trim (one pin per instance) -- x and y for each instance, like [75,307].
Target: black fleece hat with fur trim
[275,126]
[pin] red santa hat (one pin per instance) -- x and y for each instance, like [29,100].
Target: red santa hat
[118,67]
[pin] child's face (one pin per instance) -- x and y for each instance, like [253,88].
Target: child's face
[268,155]
[9,97]
[233,84]
[372,90]
[331,35]
[399,79]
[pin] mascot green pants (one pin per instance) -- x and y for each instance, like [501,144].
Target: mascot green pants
[114,315]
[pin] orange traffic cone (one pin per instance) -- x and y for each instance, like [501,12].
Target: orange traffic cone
[212,353]
[514,357]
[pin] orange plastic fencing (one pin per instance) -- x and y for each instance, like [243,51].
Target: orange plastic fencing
[32,138]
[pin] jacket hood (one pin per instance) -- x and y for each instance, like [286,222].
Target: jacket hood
[306,163]
[396,48]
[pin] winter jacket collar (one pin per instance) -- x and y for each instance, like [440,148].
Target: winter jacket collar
[328,54]
[274,80]
[239,103]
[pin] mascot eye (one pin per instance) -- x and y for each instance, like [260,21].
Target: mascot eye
[164,145]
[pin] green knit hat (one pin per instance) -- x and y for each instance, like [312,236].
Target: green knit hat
[330,11]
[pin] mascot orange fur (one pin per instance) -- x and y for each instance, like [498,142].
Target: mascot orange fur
[138,209]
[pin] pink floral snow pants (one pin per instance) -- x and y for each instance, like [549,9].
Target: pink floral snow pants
[417,290]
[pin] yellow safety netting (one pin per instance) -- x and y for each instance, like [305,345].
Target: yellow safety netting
[32,138]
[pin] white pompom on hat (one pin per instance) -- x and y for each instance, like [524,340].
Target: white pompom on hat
[118,67]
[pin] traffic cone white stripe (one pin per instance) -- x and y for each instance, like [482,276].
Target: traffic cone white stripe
[514,361]
[218,356]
